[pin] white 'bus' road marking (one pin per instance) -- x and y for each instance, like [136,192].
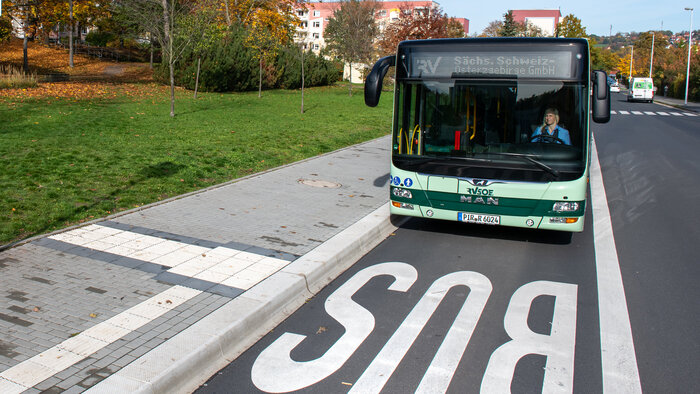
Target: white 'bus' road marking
[618,358]
[226,266]
[439,374]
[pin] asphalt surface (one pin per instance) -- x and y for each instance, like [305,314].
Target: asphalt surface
[646,155]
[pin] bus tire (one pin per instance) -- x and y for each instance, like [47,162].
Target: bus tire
[397,220]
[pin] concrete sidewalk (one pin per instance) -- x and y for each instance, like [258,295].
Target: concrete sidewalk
[677,103]
[159,299]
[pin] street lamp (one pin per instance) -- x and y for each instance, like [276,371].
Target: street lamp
[651,58]
[690,43]
[631,61]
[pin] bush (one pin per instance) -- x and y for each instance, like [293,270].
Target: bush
[11,78]
[317,70]
[99,38]
[231,66]
[228,67]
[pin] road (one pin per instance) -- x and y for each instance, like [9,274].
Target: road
[462,308]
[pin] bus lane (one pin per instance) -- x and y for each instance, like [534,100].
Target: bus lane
[442,306]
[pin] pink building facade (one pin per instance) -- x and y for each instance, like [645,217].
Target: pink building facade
[547,20]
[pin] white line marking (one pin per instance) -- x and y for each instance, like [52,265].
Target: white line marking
[688,114]
[650,113]
[71,351]
[439,374]
[219,265]
[231,267]
[612,112]
[664,113]
[637,113]
[619,361]
[623,112]
[676,114]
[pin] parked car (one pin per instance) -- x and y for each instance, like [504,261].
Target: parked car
[614,86]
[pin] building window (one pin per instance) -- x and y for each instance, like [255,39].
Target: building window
[317,24]
[304,24]
[382,13]
[317,13]
[316,47]
[316,35]
[300,12]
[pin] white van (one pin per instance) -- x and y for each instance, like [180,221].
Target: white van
[641,89]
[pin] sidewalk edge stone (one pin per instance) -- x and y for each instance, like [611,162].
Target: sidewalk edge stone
[183,363]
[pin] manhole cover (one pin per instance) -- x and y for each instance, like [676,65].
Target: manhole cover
[319,183]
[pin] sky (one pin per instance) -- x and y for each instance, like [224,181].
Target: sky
[624,15]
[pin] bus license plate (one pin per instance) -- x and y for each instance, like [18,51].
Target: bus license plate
[479,218]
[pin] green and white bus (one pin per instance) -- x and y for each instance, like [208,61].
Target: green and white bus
[466,117]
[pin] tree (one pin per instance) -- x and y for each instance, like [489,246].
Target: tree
[350,33]
[570,27]
[418,26]
[529,30]
[270,28]
[493,29]
[510,27]
[23,12]
[164,18]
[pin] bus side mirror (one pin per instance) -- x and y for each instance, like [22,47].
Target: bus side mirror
[601,97]
[373,83]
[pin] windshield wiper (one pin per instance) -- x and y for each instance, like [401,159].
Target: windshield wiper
[531,159]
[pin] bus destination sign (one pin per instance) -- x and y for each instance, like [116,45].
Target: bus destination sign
[517,64]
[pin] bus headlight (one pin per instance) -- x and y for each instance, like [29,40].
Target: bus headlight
[404,193]
[565,206]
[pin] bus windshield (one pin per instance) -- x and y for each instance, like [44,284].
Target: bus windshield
[488,128]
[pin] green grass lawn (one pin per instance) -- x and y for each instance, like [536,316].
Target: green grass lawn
[66,161]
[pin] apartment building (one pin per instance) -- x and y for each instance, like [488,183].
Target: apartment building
[316,15]
[546,20]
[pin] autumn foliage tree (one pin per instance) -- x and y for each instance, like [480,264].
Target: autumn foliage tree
[351,32]
[270,27]
[415,25]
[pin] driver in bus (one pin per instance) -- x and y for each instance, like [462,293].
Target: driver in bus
[550,131]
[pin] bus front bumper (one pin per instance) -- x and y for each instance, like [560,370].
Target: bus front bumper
[571,224]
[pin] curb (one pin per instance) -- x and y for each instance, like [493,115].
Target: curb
[678,106]
[187,360]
